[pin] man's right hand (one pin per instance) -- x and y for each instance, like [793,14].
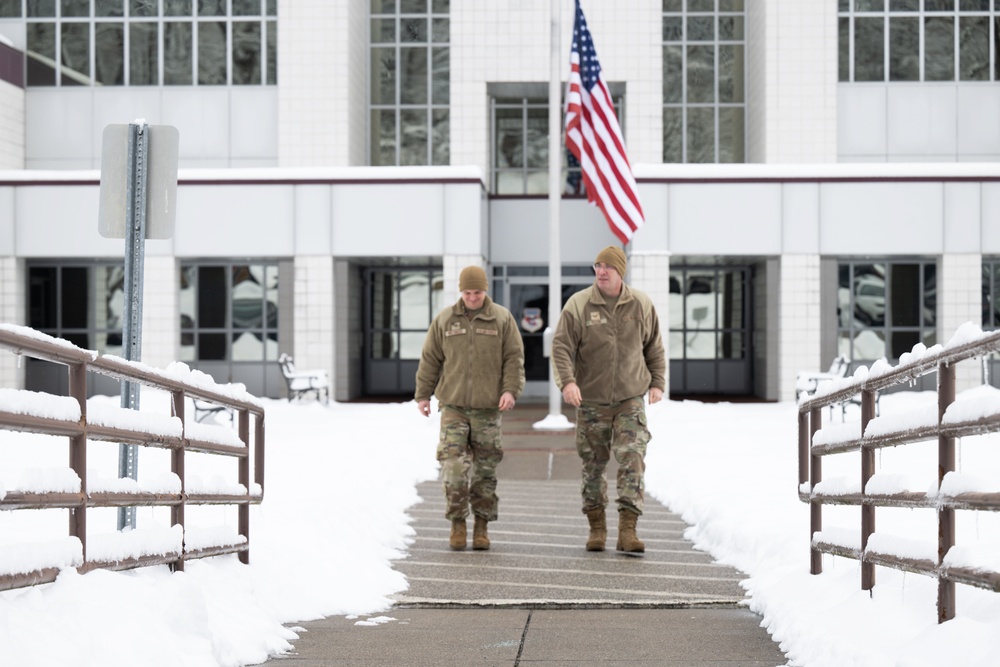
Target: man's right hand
[571,394]
[425,407]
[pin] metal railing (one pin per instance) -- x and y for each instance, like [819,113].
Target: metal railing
[944,431]
[179,441]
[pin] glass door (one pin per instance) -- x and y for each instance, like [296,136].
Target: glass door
[400,304]
[525,292]
[710,330]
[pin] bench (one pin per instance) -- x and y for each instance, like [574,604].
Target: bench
[806,383]
[204,409]
[303,383]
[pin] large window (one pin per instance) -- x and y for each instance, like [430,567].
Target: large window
[704,74]
[410,73]
[710,336]
[148,42]
[708,313]
[229,312]
[400,304]
[885,308]
[519,122]
[403,303]
[79,302]
[520,146]
[82,302]
[914,40]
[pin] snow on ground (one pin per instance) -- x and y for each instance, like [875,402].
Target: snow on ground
[341,477]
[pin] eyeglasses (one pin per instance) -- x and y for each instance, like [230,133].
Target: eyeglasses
[603,267]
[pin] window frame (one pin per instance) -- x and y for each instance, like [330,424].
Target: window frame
[436,103]
[54,73]
[848,15]
[677,109]
[228,329]
[97,332]
[925,330]
[535,96]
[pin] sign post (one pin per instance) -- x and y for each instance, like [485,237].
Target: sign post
[133,210]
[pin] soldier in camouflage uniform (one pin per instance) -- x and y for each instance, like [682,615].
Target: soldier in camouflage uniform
[606,354]
[473,361]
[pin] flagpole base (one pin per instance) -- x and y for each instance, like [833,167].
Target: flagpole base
[557,422]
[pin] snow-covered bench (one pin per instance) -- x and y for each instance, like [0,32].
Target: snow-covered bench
[302,383]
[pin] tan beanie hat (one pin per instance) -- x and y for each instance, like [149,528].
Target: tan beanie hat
[472,277]
[615,257]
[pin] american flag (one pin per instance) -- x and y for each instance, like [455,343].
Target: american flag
[594,137]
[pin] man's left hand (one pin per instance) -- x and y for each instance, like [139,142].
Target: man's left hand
[506,401]
[655,395]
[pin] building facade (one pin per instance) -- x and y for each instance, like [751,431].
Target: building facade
[818,178]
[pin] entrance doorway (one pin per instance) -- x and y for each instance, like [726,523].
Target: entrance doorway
[710,330]
[525,292]
[399,306]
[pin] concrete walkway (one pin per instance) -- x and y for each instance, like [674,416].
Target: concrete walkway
[537,597]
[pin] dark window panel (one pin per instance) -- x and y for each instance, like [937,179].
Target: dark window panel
[246,53]
[869,49]
[109,57]
[212,291]
[211,53]
[178,54]
[75,54]
[41,38]
[143,54]
[74,297]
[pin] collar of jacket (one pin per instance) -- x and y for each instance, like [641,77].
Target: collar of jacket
[597,296]
[486,312]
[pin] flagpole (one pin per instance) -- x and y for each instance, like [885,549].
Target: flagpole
[555,418]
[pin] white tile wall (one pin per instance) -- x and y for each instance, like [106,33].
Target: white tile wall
[799,322]
[160,311]
[11,126]
[11,312]
[314,317]
[792,52]
[322,70]
[959,300]
[650,273]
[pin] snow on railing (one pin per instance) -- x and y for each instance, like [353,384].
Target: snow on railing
[973,412]
[83,421]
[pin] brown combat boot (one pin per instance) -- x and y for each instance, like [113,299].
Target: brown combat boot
[627,540]
[598,530]
[457,539]
[480,539]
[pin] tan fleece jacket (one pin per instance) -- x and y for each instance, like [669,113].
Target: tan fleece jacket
[470,363]
[610,355]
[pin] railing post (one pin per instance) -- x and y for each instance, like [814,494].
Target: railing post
[946,515]
[243,513]
[815,506]
[78,455]
[177,464]
[804,435]
[258,452]
[867,470]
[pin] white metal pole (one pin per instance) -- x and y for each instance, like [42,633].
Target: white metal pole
[555,418]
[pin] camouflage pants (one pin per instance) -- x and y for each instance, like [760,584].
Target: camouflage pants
[619,429]
[470,439]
